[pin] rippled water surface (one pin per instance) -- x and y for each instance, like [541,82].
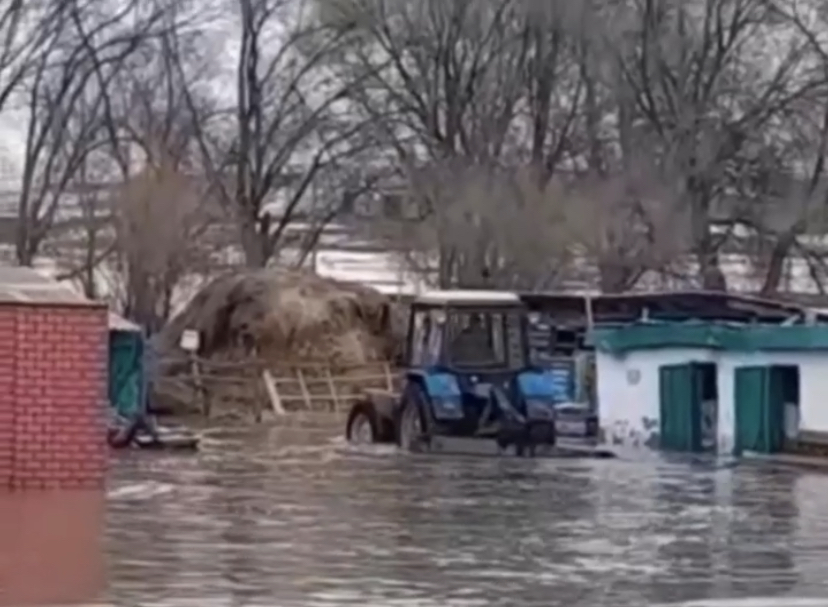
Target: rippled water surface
[291,519]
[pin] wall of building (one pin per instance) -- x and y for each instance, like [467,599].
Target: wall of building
[53,390]
[628,391]
[813,388]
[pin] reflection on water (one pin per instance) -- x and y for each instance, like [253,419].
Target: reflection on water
[272,521]
[50,548]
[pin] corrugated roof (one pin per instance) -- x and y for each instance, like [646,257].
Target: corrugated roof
[26,285]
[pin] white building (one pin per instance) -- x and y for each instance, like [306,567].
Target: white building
[700,387]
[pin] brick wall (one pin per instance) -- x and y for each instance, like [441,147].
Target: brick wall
[53,376]
[8,343]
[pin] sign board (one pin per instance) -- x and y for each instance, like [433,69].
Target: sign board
[190,340]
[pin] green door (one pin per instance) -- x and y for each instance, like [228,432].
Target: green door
[126,372]
[759,416]
[680,408]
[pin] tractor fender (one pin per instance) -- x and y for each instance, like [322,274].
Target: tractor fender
[438,391]
[417,377]
[383,402]
[414,384]
[434,383]
[415,380]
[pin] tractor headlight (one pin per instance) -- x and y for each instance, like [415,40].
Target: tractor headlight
[540,410]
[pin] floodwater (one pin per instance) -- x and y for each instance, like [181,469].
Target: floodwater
[285,518]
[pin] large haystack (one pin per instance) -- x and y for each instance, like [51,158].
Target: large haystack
[288,316]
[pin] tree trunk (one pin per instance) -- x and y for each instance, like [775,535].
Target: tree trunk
[776,264]
[707,255]
[254,245]
[24,251]
[614,276]
[710,270]
[445,272]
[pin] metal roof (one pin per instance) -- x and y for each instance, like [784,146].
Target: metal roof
[702,305]
[119,323]
[20,284]
[468,297]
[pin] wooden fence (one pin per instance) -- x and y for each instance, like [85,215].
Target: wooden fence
[255,388]
[319,387]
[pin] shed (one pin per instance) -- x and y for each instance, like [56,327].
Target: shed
[712,387]
[53,383]
[126,366]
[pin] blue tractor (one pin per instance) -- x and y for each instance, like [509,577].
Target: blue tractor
[468,384]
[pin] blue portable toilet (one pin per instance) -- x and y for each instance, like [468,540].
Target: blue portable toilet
[126,367]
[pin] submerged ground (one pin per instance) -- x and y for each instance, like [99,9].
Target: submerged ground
[270,520]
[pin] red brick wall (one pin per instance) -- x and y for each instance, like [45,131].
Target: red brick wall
[53,390]
[8,341]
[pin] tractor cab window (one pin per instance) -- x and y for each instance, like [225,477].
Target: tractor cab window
[426,338]
[516,340]
[418,339]
[482,339]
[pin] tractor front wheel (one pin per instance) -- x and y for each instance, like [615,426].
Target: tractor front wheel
[362,427]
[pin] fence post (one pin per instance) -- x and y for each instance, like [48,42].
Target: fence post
[332,388]
[304,387]
[258,406]
[273,393]
[198,382]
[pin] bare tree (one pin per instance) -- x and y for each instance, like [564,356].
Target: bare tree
[530,139]
[709,89]
[148,147]
[283,130]
[442,86]
[558,86]
[461,88]
[625,225]
[579,93]
[82,242]
[524,244]
[161,219]
[64,108]
[146,105]
[793,174]
[24,28]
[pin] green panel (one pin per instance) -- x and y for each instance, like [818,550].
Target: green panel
[759,394]
[126,372]
[750,401]
[679,408]
[731,337]
[776,409]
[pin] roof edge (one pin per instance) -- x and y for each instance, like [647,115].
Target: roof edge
[29,303]
[709,336]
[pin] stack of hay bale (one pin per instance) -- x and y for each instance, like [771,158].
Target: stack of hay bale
[287,317]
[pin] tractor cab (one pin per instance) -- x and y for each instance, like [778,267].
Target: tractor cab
[467,333]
